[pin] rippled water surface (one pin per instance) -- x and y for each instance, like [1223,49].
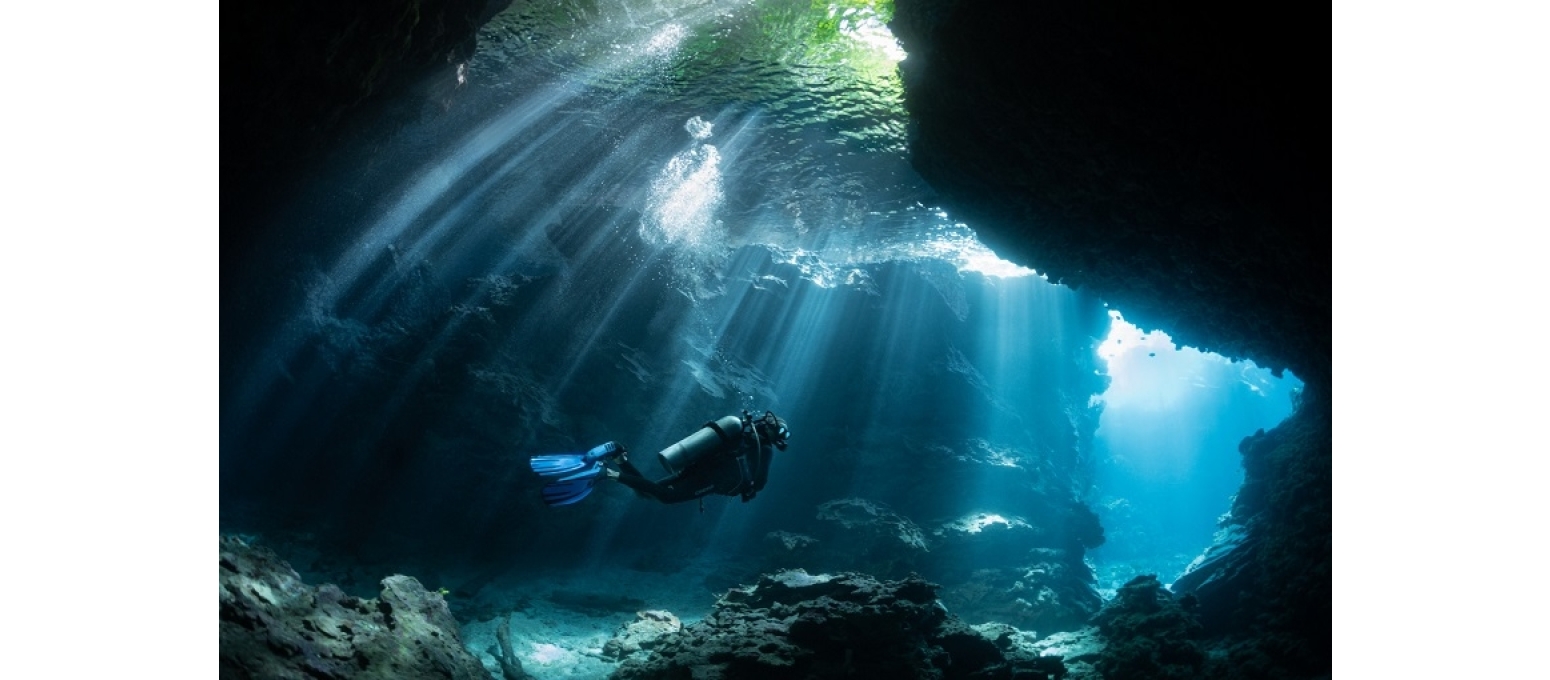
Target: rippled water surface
[769,122]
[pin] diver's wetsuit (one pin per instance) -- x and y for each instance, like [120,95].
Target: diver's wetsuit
[719,472]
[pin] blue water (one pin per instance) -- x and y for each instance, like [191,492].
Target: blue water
[1167,443]
[561,254]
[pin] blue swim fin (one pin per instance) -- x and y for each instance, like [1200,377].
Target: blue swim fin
[555,465]
[574,487]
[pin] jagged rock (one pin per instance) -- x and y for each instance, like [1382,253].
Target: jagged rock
[794,624]
[1149,634]
[641,634]
[1266,578]
[1078,649]
[1029,490]
[1229,545]
[274,626]
[1050,592]
[868,517]
[991,566]
[872,536]
[988,540]
[1022,480]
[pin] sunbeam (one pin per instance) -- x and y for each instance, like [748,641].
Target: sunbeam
[629,220]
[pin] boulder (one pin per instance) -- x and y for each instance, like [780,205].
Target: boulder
[1150,634]
[644,633]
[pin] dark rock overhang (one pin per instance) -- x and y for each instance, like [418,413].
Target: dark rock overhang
[1172,159]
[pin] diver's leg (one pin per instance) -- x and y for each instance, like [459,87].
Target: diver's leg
[641,485]
[667,490]
[631,477]
[675,491]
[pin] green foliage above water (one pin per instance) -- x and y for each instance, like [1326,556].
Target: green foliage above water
[802,62]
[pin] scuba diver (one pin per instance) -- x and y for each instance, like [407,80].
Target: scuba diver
[728,456]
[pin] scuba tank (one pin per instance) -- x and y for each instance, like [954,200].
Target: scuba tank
[713,436]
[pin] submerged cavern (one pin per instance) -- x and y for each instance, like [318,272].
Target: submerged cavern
[456,234]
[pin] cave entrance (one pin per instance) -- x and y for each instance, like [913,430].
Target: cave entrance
[1166,449]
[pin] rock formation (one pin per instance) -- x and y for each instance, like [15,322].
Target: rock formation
[1174,161]
[1150,635]
[275,627]
[795,625]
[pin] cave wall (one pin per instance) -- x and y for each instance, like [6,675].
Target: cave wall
[1174,161]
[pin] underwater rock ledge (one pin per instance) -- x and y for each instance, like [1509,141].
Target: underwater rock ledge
[793,624]
[274,626]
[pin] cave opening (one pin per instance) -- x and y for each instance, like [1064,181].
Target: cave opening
[1167,448]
